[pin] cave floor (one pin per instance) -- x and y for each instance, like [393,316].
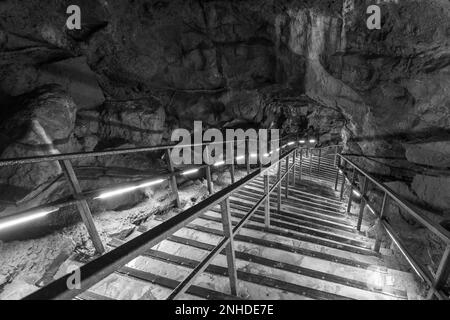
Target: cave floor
[311,251]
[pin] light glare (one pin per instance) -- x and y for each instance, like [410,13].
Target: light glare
[26,218]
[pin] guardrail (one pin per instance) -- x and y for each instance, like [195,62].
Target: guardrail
[80,198]
[436,281]
[98,269]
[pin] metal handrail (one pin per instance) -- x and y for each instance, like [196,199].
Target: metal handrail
[437,281]
[437,229]
[98,269]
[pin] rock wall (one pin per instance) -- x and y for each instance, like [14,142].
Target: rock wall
[138,69]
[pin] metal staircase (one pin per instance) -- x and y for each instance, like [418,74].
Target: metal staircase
[311,250]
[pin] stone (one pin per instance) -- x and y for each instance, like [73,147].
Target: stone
[78,80]
[44,122]
[435,191]
[433,154]
[138,122]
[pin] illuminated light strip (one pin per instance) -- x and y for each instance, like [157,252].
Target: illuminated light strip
[356,193]
[253,155]
[26,218]
[312,141]
[128,189]
[278,150]
[340,171]
[302,141]
[290,143]
[267,155]
[371,210]
[218,164]
[189,172]
[404,253]
[240,158]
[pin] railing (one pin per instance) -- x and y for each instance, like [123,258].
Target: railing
[436,281]
[98,269]
[80,199]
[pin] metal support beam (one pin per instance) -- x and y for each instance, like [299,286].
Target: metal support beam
[301,165]
[229,249]
[293,170]
[363,203]
[310,161]
[379,229]
[320,160]
[287,177]
[82,205]
[232,173]
[267,205]
[247,154]
[350,196]
[279,188]
[208,173]
[173,179]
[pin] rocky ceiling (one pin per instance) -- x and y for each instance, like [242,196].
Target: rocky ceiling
[139,68]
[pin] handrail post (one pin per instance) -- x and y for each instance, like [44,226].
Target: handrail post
[82,205]
[350,196]
[173,179]
[344,166]
[379,229]
[337,175]
[279,187]
[229,249]
[442,273]
[301,165]
[293,172]
[320,160]
[336,156]
[208,173]
[310,162]
[247,154]
[267,206]
[363,203]
[230,151]
[287,177]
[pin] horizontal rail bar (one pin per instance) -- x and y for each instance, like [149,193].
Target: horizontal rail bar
[82,155]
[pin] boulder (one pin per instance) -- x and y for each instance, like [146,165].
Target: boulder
[44,123]
[436,154]
[140,122]
[433,190]
[77,78]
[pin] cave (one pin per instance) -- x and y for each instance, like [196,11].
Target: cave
[92,91]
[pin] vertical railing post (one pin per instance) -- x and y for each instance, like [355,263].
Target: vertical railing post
[267,205]
[336,155]
[350,196]
[230,151]
[310,162]
[287,177]
[82,205]
[320,160]
[442,273]
[247,154]
[338,169]
[343,180]
[208,172]
[378,233]
[279,187]
[301,165]
[173,179]
[293,170]
[363,203]
[229,250]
